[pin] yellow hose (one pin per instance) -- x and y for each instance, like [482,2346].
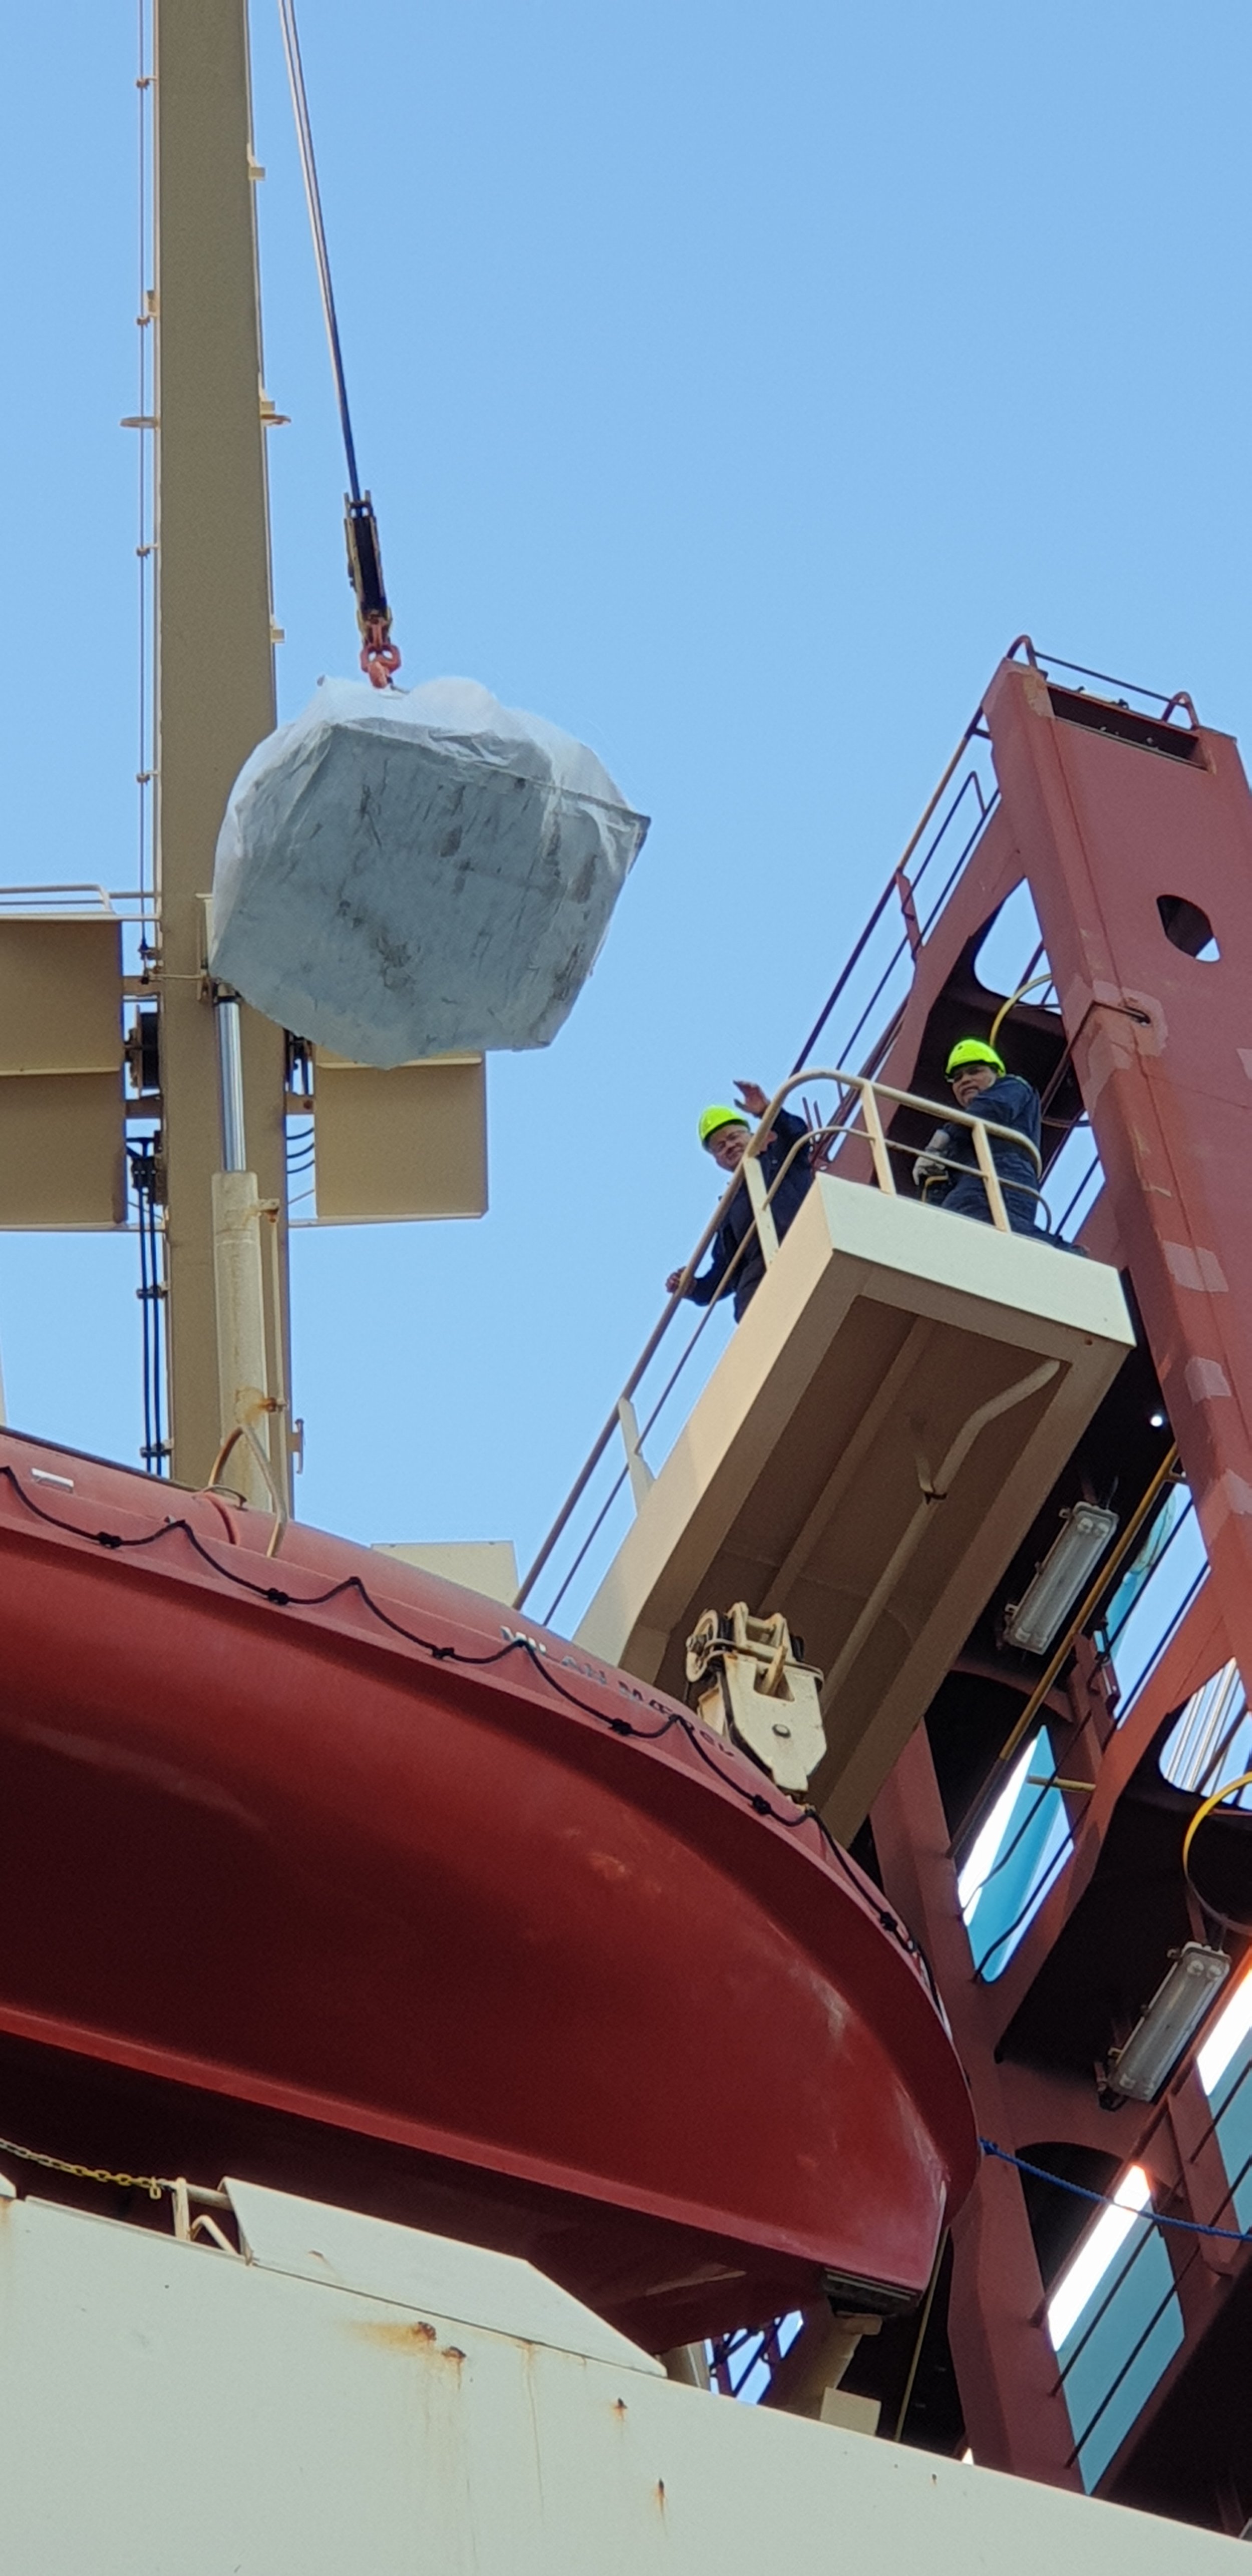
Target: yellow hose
[1244,1781]
[1014,998]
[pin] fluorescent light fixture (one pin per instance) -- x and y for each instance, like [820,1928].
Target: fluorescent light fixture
[1175,2013]
[1228,2033]
[1035,1620]
[1081,2279]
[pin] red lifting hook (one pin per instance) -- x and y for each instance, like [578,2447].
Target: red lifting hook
[380,659]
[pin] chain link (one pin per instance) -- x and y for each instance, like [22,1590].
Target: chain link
[150,2183]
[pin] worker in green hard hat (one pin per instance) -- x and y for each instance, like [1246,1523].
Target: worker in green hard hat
[725,1134]
[947,1172]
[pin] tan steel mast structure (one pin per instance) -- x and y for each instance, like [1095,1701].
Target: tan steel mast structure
[410,1143]
[215,680]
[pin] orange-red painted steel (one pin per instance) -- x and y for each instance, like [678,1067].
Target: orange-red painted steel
[1109,833]
[1121,843]
[358,1860]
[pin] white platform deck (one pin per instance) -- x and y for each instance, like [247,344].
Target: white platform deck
[889,1348]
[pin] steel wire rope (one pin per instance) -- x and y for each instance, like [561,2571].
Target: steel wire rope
[791,1819]
[379,657]
[313,200]
[1105,2200]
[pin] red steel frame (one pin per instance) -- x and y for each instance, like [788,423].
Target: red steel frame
[1103,829]
[1161,1044]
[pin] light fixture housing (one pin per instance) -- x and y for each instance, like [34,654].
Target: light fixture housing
[1139,2071]
[1036,1619]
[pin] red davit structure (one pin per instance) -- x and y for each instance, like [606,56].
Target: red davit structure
[1131,825]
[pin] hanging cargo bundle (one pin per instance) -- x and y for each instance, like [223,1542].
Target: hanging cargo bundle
[407,873]
[416,872]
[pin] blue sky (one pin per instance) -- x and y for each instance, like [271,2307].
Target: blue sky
[733,386]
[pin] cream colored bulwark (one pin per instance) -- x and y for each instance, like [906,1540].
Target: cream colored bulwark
[62,1157]
[62,1110]
[60,993]
[889,1348]
[411,1143]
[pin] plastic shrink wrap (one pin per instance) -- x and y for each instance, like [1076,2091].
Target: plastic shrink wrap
[417,872]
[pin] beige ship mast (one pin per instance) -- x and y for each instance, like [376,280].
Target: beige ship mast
[223,1088]
[75,1066]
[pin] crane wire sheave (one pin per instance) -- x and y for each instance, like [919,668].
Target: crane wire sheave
[380,658]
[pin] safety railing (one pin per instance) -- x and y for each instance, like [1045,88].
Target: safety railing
[858,1023]
[136,912]
[83,899]
[861,1014]
[1175,709]
[857,1119]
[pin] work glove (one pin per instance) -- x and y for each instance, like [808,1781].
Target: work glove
[929,1166]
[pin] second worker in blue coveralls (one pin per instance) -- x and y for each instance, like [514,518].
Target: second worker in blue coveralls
[981,1084]
[725,1134]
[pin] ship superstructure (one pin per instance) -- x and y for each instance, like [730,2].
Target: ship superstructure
[1025,1805]
[582,1984]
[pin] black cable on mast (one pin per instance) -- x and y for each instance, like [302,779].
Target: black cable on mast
[380,658]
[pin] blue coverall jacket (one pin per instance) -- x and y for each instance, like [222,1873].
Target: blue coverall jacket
[1008,1102]
[737,1222]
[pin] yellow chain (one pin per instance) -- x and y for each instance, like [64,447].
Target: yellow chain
[87,2173]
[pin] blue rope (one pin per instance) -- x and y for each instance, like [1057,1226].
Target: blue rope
[1104,2199]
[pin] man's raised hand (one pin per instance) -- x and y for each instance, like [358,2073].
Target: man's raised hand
[752,1098]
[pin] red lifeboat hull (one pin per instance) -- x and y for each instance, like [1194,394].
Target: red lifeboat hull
[306,1859]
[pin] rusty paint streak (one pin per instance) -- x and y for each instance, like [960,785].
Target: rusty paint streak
[418,2338]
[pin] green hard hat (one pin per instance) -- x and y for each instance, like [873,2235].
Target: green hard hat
[720,1116]
[972,1051]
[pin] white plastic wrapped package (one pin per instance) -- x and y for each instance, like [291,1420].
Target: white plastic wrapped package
[414,872]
